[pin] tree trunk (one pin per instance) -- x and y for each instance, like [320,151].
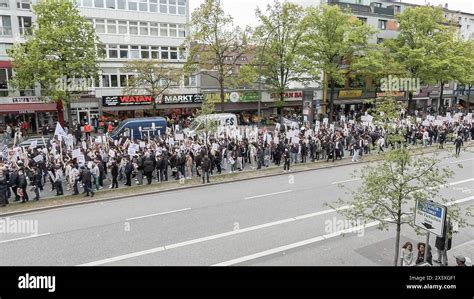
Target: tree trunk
[468,104]
[221,85]
[331,102]
[397,242]
[441,94]
[410,102]
[280,108]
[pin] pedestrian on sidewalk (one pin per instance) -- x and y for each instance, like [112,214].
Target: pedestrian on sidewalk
[422,250]
[287,159]
[206,167]
[86,178]
[458,143]
[406,255]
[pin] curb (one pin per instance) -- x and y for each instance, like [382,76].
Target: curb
[192,187]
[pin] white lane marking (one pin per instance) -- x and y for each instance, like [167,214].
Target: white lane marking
[208,238]
[295,245]
[159,214]
[269,194]
[348,181]
[24,238]
[313,240]
[460,161]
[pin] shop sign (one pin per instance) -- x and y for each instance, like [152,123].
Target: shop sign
[289,96]
[395,94]
[353,93]
[14,100]
[26,111]
[234,97]
[110,101]
[181,99]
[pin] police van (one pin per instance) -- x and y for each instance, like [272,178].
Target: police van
[140,128]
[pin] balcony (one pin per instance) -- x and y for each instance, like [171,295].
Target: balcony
[6,31]
[384,11]
[353,7]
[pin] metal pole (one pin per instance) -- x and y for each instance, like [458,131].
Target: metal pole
[426,246]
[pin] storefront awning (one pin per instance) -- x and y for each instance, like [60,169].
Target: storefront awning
[27,108]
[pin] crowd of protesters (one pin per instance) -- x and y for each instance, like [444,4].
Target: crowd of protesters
[83,162]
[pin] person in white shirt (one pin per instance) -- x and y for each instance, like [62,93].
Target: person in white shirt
[406,255]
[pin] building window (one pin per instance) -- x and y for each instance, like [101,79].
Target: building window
[143,28]
[5,75]
[111,26]
[172,7]
[173,31]
[121,4]
[397,8]
[133,28]
[134,52]
[182,31]
[165,53]
[143,5]
[154,53]
[122,27]
[124,51]
[132,5]
[364,20]
[4,48]
[113,81]
[25,25]
[105,81]
[174,53]
[110,4]
[182,7]
[383,24]
[380,40]
[153,5]
[376,4]
[5,26]
[190,81]
[123,80]
[100,25]
[87,3]
[113,52]
[99,3]
[4,4]
[163,30]
[145,52]
[154,31]
[23,4]
[163,6]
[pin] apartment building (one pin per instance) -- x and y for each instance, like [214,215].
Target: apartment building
[129,30]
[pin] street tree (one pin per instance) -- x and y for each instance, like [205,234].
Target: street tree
[278,39]
[62,46]
[333,39]
[152,77]
[391,187]
[215,45]
[422,46]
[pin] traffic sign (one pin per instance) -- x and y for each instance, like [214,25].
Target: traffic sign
[430,216]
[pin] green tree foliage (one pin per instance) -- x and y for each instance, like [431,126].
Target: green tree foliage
[279,40]
[62,46]
[151,77]
[332,40]
[215,45]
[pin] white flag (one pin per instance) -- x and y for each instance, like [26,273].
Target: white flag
[59,131]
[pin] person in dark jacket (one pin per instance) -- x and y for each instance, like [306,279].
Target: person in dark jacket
[442,247]
[86,178]
[3,186]
[128,172]
[148,168]
[287,159]
[36,182]
[13,183]
[22,185]
[206,167]
[458,143]
[114,173]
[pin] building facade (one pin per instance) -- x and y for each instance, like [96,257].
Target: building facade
[129,30]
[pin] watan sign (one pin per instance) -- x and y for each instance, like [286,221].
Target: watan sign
[110,101]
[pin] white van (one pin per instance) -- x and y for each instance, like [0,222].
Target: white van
[211,121]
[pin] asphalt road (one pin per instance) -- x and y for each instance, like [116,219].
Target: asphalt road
[280,220]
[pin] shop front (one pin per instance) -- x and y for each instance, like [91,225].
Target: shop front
[178,106]
[17,110]
[126,106]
